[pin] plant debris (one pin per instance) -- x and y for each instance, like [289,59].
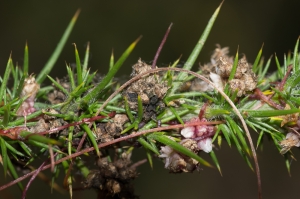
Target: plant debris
[151,90]
[113,179]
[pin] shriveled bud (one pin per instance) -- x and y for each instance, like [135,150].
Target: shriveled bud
[30,89]
[291,140]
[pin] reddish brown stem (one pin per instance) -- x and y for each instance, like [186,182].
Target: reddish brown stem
[267,99]
[161,46]
[34,174]
[288,72]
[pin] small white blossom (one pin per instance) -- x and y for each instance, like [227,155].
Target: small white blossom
[205,145]
[217,80]
[188,132]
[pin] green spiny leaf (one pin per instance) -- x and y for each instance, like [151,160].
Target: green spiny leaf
[60,87]
[257,59]
[215,160]
[97,91]
[226,132]
[295,57]
[140,109]
[91,137]
[4,155]
[5,79]
[71,78]
[279,69]
[270,113]
[149,157]
[196,51]
[38,138]
[6,115]
[86,59]
[26,61]
[292,81]
[129,114]
[235,64]
[259,139]
[13,172]
[50,63]
[167,141]
[263,73]
[84,170]
[15,71]
[236,129]
[70,138]
[145,144]
[26,148]
[112,60]
[177,116]
[78,66]
[13,150]
[287,164]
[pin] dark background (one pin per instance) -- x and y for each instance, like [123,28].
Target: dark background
[114,25]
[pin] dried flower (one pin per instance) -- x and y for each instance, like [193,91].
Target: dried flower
[113,178]
[219,69]
[237,85]
[177,162]
[244,78]
[290,117]
[224,67]
[291,140]
[219,52]
[151,90]
[30,89]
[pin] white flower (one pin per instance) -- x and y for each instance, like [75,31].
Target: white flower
[166,152]
[217,80]
[188,132]
[205,145]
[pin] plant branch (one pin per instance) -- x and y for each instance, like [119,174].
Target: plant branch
[218,89]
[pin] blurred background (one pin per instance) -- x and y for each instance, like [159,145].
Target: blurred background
[114,25]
